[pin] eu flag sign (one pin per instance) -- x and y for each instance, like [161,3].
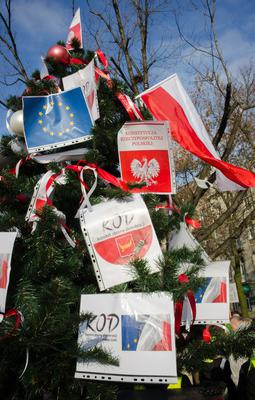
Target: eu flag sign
[56,120]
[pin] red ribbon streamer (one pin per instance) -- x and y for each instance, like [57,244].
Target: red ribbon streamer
[18,320]
[183,278]
[102,58]
[106,176]
[133,112]
[189,221]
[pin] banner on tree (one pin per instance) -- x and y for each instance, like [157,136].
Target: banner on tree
[85,78]
[137,329]
[117,232]
[6,246]
[57,120]
[145,155]
[212,298]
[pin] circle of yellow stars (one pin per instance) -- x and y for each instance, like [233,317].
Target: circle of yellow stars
[49,131]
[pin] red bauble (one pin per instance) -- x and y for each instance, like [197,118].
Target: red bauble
[207,335]
[58,54]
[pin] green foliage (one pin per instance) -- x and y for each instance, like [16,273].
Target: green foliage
[14,103]
[169,269]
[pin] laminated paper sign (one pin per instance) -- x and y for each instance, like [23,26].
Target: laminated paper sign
[145,155]
[137,329]
[184,238]
[57,120]
[85,78]
[212,298]
[117,232]
[6,246]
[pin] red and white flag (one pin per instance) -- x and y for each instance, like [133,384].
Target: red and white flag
[216,291]
[74,30]
[169,101]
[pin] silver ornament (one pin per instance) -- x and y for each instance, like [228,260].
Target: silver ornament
[16,123]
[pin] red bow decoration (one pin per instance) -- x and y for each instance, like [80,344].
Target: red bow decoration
[18,320]
[189,221]
[183,278]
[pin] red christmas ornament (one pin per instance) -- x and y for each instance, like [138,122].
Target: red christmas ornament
[206,335]
[22,198]
[58,54]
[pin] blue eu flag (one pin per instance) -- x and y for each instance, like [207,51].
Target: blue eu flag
[201,291]
[131,328]
[56,120]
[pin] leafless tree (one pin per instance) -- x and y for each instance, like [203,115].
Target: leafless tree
[127,26]
[232,112]
[8,49]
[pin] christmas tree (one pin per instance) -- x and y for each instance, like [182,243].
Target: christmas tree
[39,350]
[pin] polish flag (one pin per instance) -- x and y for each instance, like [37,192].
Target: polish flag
[156,334]
[74,30]
[169,101]
[216,291]
[133,112]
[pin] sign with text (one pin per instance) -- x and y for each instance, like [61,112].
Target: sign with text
[117,232]
[145,156]
[137,329]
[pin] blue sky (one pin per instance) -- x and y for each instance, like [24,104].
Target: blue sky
[38,24]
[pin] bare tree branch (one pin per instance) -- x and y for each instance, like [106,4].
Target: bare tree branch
[222,218]
[12,47]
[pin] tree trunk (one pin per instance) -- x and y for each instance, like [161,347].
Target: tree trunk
[238,281]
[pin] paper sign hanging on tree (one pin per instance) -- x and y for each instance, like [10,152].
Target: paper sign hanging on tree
[57,120]
[137,329]
[145,156]
[212,298]
[183,237]
[6,246]
[117,232]
[85,78]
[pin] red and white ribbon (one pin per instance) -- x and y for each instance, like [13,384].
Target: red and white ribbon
[18,321]
[132,110]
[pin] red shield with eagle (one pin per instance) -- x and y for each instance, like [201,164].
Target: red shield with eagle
[150,167]
[121,249]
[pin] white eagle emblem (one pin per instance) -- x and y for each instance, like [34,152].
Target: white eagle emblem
[145,171]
